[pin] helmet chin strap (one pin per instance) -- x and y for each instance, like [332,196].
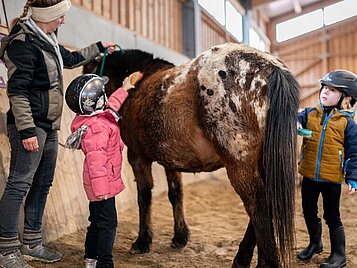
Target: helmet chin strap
[100,105]
[343,95]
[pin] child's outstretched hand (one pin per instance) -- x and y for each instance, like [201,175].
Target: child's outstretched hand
[130,81]
[352,186]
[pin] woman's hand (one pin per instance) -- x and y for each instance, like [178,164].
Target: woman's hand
[110,46]
[31,144]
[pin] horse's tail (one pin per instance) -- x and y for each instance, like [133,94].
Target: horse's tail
[279,157]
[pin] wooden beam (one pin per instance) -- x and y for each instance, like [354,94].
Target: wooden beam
[307,68]
[256,3]
[305,9]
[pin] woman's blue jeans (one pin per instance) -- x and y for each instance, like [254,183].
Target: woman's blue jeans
[30,173]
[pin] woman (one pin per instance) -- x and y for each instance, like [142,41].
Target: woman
[35,63]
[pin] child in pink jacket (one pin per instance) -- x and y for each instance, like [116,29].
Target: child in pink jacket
[95,130]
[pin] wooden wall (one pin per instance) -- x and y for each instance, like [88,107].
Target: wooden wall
[212,33]
[312,55]
[158,20]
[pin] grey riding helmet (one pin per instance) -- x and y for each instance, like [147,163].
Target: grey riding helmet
[86,94]
[344,80]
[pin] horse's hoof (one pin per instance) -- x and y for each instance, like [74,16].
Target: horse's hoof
[180,239]
[139,248]
[176,245]
[179,242]
[138,251]
[236,265]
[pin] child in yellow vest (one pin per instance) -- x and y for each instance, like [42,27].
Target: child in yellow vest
[328,158]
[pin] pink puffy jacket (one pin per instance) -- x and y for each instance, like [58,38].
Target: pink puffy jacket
[102,147]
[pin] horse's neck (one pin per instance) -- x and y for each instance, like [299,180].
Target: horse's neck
[152,68]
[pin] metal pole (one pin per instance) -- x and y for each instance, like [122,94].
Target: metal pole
[246,20]
[197,27]
[6,20]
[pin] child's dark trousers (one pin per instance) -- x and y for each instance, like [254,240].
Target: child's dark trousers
[101,232]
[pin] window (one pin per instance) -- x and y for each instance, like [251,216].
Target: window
[299,25]
[234,23]
[340,11]
[256,41]
[226,14]
[315,20]
[215,8]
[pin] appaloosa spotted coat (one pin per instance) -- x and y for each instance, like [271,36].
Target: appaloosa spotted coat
[232,106]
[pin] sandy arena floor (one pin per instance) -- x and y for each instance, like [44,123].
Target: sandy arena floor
[217,222]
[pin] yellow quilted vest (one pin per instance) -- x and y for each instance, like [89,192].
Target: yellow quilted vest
[322,155]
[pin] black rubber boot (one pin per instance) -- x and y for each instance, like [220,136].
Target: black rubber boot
[315,245]
[337,257]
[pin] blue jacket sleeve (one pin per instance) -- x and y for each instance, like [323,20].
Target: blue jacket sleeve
[351,150]
[302,117]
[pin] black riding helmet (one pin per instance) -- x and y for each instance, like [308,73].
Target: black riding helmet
[84,93]
[343,80]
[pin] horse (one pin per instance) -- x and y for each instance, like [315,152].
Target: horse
[232,106]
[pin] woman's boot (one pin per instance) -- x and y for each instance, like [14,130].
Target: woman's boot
[337,257]
[315,245]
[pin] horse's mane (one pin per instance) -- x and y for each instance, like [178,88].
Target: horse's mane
[121,64]
[132,59]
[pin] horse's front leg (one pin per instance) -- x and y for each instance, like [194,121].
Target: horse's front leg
[246,248]
[182,232]
[144,185]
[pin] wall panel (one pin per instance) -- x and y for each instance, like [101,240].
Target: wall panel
[158,20]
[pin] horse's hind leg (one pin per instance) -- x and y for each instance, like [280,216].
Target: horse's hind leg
[250,188]
[246,248]
[268,255]
[144,184]
[175,193]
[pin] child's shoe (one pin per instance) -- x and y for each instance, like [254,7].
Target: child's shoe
[90,263]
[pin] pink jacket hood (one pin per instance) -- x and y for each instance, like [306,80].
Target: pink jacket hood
[102,147]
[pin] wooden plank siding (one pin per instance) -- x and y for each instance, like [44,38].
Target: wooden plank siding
[312,55]
[158,20]
[212,33]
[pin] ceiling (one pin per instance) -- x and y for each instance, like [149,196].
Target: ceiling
[277,8]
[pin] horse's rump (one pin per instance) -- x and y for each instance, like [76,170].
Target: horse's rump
[232,98]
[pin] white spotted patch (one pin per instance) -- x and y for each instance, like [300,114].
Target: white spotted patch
[167,76]
[260,109]
[244,66]
[260,112]
[180,74]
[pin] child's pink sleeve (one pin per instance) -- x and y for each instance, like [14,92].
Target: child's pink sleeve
[117,98]
[72,124]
